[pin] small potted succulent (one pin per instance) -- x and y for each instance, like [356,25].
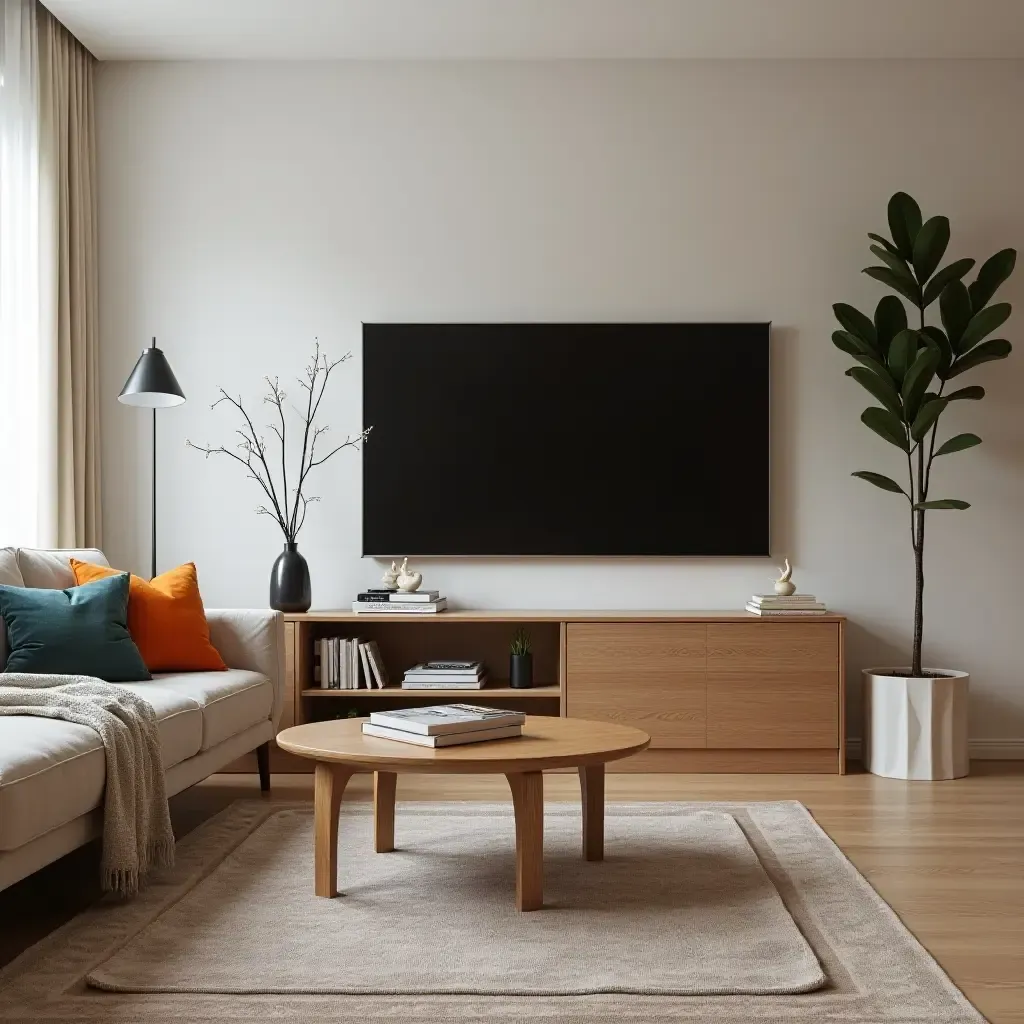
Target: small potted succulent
[520,668]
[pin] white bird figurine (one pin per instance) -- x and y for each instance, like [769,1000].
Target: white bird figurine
[390,578]
[784,585]
[408,581]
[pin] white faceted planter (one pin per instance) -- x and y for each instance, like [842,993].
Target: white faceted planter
[916,728]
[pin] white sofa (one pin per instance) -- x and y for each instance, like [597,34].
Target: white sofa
[52,773]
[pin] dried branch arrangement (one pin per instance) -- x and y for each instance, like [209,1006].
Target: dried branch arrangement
[287,505]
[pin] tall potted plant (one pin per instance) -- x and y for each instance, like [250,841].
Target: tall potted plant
[916,717]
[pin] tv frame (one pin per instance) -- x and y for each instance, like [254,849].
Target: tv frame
[384,556]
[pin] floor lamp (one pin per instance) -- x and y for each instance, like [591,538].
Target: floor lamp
[152,385]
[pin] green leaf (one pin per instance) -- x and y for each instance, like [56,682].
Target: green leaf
[904,285]
[904,223]
[974,393]
[851,344]
[935,339]
[951,272]
[881,389]
[958,443]
[930,246]
[995,348]
[887,426]
[983,323]
[994,271]
[955,310]
[942,503]
[884,242]
[890,319]
[926,416]
[896,263]
[876,368]
[880,481]
[854,321]
[917,379]
[902,352]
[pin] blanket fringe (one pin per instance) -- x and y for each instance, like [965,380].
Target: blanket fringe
[124,882]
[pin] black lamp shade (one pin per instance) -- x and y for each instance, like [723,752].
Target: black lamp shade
[152,384]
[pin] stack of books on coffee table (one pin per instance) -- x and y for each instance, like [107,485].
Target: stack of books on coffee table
[448,725]
[795,604]
[445,675]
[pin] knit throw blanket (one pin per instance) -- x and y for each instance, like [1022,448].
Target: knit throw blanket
[137,831]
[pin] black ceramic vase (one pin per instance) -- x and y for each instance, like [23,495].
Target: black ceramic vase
[520,671]
[289,582]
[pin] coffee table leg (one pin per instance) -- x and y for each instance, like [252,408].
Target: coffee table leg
[384,811]
[592,792]
[329,784]
[528,802]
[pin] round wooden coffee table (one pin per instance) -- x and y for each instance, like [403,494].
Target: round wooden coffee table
[340,750]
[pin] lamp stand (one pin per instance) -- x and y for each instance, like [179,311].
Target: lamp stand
[152,574]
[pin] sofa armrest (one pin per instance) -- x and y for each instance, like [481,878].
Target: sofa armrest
[253,639]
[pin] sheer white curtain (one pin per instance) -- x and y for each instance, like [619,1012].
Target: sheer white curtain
[49,372]
[26,494]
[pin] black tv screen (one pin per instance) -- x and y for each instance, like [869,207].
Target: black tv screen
[566,439]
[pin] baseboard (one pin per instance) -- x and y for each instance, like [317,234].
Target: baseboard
[980,749]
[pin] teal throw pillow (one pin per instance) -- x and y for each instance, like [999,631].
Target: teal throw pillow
[79,631]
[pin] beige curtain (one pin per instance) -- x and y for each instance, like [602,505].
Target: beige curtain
[67,142]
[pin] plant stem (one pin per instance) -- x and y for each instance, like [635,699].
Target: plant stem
[919,571]
[922,495]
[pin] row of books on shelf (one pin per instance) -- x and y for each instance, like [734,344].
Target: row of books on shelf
[418,602]
[794,604]
[445,675]
[447,725]
[349,664]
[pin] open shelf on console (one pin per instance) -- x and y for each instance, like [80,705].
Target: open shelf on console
[464,696]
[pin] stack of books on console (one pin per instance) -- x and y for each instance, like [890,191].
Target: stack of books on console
[795,604]
[448,725]
[445,675]
[343,663]
[418,602]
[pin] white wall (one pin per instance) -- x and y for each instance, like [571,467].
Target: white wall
[246,208]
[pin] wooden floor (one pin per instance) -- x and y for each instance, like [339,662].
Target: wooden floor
[948,857]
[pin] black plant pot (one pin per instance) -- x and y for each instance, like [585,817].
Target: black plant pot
[289,582]
[520,671]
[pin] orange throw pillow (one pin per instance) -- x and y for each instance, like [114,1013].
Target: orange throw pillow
[165,618]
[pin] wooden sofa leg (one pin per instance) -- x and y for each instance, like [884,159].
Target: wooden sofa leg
[263,764]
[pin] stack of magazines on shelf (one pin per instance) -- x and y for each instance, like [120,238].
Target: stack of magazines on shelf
[447,725]
[400,602]
[345,663]
[446,675]
[794,604]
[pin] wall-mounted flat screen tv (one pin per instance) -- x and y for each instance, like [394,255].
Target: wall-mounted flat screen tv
[645,439]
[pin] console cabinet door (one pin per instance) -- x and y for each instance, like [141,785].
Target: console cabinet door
[646,674]
[773,684]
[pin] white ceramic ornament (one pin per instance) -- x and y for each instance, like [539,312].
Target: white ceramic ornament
[784,586]
[408,581]
[390,578]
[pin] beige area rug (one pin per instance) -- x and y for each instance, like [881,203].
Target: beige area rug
[680,906]
[233,932]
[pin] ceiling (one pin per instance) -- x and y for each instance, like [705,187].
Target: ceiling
[523,29]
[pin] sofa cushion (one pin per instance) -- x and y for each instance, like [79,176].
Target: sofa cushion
[179,719]
[51,772]
[78,631]
[10,574]
[232,701]
[165,618]
[50,569]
